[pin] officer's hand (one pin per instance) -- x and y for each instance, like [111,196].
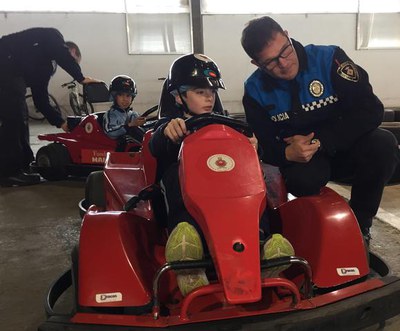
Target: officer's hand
[253,140]
[176,130]
[301,148]
[64,126]
[89,80]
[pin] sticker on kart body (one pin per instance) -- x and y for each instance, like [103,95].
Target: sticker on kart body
[89,127]
[220,163]
[108,297]
[348,271]
[93,156]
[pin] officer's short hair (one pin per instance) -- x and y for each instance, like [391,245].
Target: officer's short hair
[257,34]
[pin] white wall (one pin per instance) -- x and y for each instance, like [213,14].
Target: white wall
[103,42]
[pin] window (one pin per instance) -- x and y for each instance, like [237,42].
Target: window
[278,7]
[378,24]
[158,27]
[115,6]
[153,26]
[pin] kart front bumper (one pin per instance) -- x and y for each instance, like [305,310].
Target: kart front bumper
[354,313]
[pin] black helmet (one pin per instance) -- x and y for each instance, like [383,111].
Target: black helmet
[194,70]
[123,84]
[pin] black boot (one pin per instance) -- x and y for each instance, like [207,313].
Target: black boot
[20,179]
[367,235]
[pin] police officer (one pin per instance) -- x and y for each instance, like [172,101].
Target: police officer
[28,59]
[316,117]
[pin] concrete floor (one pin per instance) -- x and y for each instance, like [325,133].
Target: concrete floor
[40,224]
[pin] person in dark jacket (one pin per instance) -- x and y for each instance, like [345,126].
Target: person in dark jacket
[316,117]
[29,59]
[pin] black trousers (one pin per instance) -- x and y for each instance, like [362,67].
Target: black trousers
[369,163]
[15,151]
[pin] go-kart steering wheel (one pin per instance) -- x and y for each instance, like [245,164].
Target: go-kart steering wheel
[197,122]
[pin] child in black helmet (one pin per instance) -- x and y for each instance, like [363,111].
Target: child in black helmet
[120,120]
[193,81]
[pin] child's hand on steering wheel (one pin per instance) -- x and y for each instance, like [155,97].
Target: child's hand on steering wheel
[176,130]
[138,121]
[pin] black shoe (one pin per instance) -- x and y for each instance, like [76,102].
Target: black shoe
[20,179]
[367,236]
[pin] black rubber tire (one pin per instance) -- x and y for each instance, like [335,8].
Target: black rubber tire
[52,161]
[95,190]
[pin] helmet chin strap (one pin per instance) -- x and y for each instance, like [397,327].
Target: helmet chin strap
[184,105]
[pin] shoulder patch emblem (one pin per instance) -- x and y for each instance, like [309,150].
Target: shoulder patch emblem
[316,88]
[348,71]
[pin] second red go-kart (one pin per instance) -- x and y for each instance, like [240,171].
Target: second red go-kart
[121,281]
[81,150]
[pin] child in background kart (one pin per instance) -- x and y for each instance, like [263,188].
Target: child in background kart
[193,81]
[120,120]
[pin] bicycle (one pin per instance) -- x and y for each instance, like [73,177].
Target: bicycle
[34,113]
[78,102]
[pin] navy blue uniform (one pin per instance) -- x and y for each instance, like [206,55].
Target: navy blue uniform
[332,97]
[27,59]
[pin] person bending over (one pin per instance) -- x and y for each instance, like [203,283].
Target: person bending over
[29,58]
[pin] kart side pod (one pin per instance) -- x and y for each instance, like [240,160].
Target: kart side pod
[324,231]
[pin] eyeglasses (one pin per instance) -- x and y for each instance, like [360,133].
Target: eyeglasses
[285,53]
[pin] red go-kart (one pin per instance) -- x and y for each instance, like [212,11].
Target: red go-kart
[81,150]
[121,281]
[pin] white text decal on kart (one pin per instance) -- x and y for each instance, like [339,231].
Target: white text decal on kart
[348,271]
[108,297]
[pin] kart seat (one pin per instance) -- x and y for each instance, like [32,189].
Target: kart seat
[96,92]
[167,106]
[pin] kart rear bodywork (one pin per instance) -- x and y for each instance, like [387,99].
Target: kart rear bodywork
[121,281]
